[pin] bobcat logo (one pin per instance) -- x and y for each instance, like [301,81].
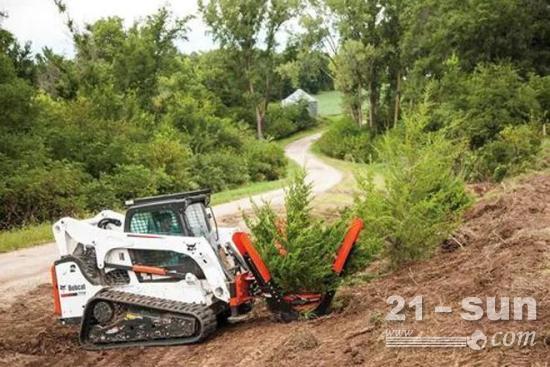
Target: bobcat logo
[77,287]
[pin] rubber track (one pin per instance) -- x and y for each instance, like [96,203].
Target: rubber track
[204,315]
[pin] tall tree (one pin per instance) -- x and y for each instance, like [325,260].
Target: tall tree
[391,30]
[489,31]
[314,47]
[375,24]
[361,39]
[305,68]
[350,67]
[248,28]
[118,60]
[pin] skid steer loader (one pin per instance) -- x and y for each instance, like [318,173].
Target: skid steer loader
[165,274]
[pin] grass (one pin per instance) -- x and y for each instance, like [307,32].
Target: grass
[543,156]
[245,191]
[254,188]
[25,237]
[329,103]
[342,194]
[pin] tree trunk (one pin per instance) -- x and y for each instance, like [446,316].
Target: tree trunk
[356,112]
[252,91]
[372,106]
[259,114]
[259,123]
[261,110]
[397,99]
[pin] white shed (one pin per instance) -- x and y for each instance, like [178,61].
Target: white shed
[301,95]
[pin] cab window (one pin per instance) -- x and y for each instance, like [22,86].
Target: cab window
[164,222]
[196,218]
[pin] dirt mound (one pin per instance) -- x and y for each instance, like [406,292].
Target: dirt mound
[502,250]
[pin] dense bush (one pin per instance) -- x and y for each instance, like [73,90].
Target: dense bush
[496,111]
[42,192]
[299,249]
[423,197]
[265,161]
[219,170]
[344,139]
[284,121]
[133,180]
[511,152]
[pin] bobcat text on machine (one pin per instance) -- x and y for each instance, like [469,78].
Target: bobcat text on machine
[165,274]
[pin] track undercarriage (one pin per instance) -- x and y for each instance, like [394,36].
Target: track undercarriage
[115,319]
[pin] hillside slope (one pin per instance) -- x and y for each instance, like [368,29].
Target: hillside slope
[504,250]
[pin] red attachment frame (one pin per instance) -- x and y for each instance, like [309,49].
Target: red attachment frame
[55,292]
[287,305]
[345,249]
[242,241]
[304,297]
[242,295]
[245,247]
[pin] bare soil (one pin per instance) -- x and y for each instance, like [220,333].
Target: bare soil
[503,249]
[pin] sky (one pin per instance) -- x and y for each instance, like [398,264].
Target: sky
[38,21]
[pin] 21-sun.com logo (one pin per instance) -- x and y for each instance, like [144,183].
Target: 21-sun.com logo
[472,309]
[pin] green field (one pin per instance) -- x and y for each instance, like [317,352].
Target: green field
[329,103]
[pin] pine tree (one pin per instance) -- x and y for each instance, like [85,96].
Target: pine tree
[298,248]
[424,194]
